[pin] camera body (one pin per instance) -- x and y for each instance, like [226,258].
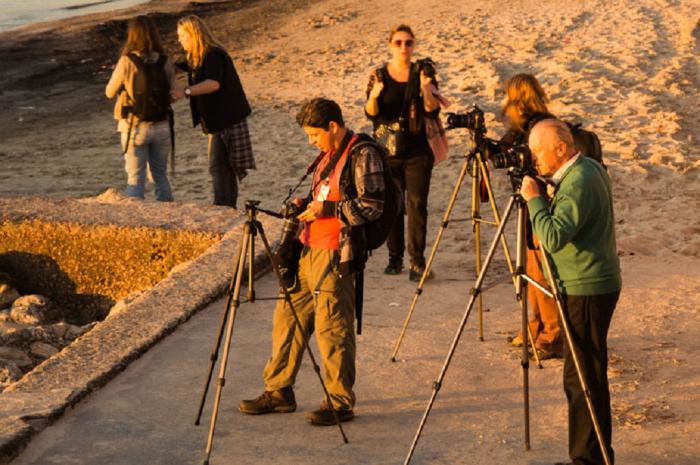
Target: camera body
[427,65]
[517,159]
[472,120]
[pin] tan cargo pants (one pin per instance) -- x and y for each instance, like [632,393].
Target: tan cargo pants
[330,313]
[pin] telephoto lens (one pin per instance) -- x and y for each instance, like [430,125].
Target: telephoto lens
[286,256]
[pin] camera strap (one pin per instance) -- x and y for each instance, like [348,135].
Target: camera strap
[333,161]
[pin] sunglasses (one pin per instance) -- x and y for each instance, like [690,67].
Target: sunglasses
[408,43]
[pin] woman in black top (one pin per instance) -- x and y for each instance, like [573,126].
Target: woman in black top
[219,105]
[400,98]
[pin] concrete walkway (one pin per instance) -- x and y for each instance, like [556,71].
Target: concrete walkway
[145,415]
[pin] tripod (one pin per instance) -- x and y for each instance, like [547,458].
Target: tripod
[522,280]
[252,227]
[476,167]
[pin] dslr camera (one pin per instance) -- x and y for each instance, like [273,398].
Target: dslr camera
[517,158]
[288,252]
[427,65]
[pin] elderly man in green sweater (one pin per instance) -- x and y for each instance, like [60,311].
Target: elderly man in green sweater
[577,228]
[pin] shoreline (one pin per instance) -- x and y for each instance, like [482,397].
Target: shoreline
[29,17]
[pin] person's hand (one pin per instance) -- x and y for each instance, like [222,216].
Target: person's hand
[298,201]
[177,94]
[312,213]
[377,86]
[529,189]
[425,82]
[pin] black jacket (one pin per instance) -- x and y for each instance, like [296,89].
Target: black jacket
[226,106]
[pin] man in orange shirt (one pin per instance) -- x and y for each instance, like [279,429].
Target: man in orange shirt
[347,191]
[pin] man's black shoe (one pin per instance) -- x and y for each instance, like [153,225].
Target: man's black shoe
[395,266]
[324,416]
[281,401]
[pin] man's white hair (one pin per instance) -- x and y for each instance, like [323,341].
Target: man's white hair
[556,128]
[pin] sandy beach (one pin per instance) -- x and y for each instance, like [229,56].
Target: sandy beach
[627,70]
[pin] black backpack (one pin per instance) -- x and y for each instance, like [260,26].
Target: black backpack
[151,99]
[375,233]
[371,235]
[587,142]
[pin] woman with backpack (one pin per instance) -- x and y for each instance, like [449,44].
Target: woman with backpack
[525,104]
[142,81]
[218,105]
[400,95]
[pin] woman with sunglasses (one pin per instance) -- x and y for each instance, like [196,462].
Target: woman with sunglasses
[524,104]
[399,98]
[218,105]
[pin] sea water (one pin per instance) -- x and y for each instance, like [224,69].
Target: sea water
[16,13]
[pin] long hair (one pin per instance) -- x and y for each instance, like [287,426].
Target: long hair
[142,36]
[524,97]
[202,39]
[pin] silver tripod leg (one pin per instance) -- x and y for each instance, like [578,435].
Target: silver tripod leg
[476,290]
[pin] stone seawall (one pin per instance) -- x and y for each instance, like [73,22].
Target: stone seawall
[135,325]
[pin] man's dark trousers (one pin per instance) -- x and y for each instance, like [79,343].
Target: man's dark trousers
[589,319]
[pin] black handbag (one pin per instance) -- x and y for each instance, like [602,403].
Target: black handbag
[391,136]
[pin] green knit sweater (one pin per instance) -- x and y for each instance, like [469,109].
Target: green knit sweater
[578,230]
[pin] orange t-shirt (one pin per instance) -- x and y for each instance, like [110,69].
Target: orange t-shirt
[324,233]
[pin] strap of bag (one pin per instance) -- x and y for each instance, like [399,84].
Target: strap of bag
[128,134]
[359,298]
[171,124]
[384,70]
[406,98]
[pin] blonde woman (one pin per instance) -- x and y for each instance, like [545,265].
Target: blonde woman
[398,98]
[218,105]
[525,104]
[143,120]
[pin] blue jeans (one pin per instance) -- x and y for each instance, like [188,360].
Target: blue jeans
[148,144]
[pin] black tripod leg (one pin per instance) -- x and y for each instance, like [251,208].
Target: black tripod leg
[215,352]
[288,298]
[574,355]
[521,286]
[235,302]
[475,293]
[429,264]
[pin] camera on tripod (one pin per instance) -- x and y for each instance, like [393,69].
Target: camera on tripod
[517,159]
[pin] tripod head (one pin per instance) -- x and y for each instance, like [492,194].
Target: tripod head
[252,208]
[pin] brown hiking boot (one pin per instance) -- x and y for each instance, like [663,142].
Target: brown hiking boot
[324,416]
[281,401]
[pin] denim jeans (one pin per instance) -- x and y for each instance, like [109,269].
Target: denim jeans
[222,172]
[148,144]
